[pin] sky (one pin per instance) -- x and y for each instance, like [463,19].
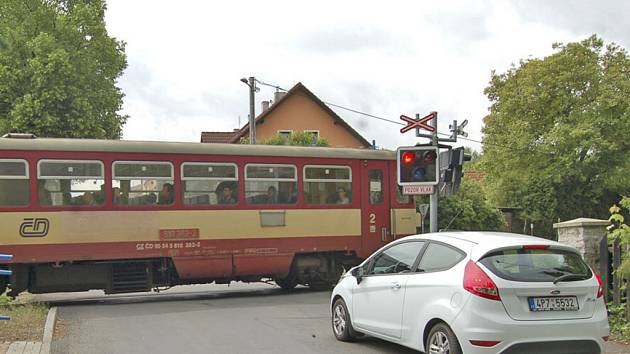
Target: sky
[186,58]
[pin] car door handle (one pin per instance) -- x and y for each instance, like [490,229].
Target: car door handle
[395,286]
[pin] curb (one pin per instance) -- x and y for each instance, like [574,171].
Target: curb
[48,330]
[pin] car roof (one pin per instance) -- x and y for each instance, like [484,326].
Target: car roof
[486,241]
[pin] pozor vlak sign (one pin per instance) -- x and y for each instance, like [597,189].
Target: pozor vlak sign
[418,169]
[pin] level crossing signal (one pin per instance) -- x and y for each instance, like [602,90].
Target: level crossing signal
[418,166]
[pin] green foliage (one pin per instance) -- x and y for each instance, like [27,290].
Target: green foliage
[619,325]
[58,69]
[469,210]
[4,299]
[620,231]
[296,139]
[555,141]
[475,157]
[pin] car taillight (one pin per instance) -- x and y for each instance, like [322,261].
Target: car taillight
[600,290]
[479,283]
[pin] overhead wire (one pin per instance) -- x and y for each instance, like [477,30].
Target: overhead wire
[373,116]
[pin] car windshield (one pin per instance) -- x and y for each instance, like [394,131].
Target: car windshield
[537,265]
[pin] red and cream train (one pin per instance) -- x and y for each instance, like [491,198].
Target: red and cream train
[127,216]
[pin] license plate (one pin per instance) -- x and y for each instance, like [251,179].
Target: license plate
[553,303]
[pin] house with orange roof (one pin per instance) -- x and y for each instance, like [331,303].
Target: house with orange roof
[296,110]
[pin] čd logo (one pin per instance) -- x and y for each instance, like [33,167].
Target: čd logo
[34,227]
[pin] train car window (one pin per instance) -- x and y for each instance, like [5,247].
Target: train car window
[209,183]
[376,186]
[14,177]
[143,183]
[270,184]
[327,184]
[70,182]
[402,198]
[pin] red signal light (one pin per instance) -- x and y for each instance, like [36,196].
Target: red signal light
[429,156]
[408,157]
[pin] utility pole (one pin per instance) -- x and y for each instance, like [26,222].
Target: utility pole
[252,111]
[433,208]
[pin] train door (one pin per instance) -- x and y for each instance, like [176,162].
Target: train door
[375,206]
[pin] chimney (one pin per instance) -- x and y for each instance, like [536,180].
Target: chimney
[264,105]
[278,95]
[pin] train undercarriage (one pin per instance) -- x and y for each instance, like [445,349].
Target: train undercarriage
[318,270]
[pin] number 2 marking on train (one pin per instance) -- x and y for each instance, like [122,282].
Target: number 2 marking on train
[372,218]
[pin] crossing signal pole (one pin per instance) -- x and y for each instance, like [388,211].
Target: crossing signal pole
[433,202]
[416,185]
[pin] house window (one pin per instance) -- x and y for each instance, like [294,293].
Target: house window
[314,133]
[284,134]
[70,182]
[327,184]
[143,183]
[210,183]
[270,184]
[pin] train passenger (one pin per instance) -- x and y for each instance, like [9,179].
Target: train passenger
[342,196]
[100,195]
[272,195]
[118,196]
[148,199]
[88,199]
[167,194]
[290,196]
[226,196]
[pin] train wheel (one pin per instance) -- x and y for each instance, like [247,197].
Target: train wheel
[287,283]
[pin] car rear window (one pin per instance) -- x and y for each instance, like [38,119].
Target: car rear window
[536,265]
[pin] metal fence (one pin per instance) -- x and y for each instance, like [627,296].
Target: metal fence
[617,288]
[4,272]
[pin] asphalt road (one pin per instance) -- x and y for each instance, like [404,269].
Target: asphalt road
[242,318]
[203,319]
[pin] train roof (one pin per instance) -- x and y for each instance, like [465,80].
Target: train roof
[122,146]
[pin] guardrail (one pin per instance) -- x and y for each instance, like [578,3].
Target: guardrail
[5,257]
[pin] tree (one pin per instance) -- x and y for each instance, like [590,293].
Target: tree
[296,138]
[58,70]
[469,210]
[555,141]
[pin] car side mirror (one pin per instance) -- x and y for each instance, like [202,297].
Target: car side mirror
[358,272]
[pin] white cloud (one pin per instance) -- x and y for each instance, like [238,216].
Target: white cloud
[386,59]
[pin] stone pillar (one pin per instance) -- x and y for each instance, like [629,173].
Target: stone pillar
[585,235]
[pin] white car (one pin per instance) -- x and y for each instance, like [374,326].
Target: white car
[474,292]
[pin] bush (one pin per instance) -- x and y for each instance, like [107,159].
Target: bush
[619,326]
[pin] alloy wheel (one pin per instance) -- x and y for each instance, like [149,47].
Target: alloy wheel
[339,320]
[438,344]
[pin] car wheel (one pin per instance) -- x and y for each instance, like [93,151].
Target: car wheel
[341,324]
[442,340]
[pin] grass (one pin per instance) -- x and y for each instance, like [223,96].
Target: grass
[26,323]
